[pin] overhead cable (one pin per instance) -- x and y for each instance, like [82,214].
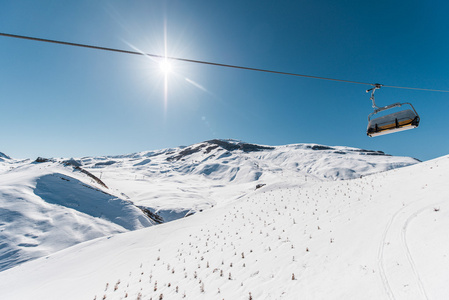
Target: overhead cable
[205,62]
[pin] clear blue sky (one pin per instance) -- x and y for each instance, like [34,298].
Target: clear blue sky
[61,101]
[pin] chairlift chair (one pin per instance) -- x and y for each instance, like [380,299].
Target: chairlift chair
[394,122]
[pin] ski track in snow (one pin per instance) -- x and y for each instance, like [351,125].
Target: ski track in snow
[401,226]
[380,258]
[407,249]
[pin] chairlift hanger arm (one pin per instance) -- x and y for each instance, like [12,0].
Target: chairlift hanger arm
[372,90]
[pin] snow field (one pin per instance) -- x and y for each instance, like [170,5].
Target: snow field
[330,241]
[207,174]
[47,207]
[300,236]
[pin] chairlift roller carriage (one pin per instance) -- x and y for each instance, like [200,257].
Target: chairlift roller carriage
[404,119]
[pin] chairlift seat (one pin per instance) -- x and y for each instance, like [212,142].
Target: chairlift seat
[398,121]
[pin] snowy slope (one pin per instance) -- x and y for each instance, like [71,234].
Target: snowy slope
[383,236]
[180,181]
[46,207]
[51,205]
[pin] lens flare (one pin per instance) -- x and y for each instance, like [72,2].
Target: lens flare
[165,66]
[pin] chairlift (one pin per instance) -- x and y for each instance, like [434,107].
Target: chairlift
[404,119]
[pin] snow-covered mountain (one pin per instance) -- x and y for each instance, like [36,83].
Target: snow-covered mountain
[3,156]
[46,206]
[4,162]
[300,234]
[184,180]
[50,204]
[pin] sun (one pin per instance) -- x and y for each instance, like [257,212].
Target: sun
[165,66]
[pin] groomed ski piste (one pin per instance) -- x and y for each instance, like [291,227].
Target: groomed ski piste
[288,222]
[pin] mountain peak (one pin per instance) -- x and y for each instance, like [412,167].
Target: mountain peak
[228,145]
[231,145]
[2,155]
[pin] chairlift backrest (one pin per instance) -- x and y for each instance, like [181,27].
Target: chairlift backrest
[400,116]
[394,122]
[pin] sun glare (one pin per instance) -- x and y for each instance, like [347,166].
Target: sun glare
[165,66]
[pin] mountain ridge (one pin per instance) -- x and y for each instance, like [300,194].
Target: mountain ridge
[158,186]
[4,156]
[375,237]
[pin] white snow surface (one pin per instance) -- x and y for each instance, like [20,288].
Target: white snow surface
[190,179]
[46,207]
[306,234]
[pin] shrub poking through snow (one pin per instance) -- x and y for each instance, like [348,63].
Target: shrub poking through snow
[116,285]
